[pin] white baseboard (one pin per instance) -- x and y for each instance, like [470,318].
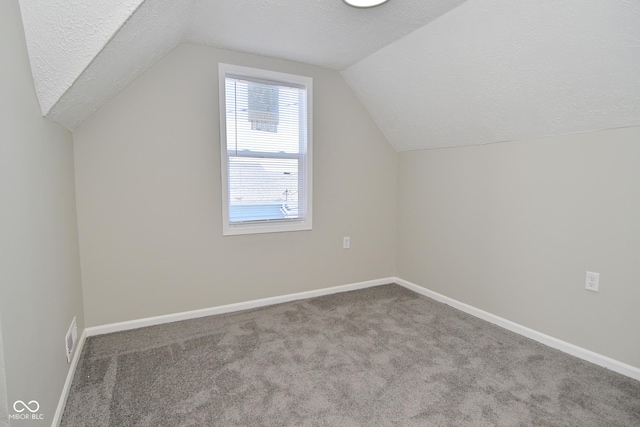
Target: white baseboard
[57,417]
[167,318]
[574,350]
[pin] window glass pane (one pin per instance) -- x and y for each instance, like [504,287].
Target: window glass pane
[263,117]
[263,189]
[266,150]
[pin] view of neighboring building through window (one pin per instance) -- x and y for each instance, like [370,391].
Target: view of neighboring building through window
[266,150]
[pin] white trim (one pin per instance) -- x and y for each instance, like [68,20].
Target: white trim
[573,350]
[303,224]
[246,305]
[57,417]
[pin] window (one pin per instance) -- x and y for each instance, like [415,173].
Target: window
[265,127]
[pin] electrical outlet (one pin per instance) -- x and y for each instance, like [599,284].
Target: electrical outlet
[346,242]
[593,281]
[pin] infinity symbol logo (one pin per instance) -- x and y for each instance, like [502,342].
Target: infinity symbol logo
[26,406]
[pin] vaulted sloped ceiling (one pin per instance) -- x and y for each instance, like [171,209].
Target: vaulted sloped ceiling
[497,70]
[433,73]
[83,52]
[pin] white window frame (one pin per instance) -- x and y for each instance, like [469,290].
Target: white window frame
[267,226]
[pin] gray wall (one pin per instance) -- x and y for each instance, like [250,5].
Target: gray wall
[149,203]
[39,264]
[4,407]
[511,229]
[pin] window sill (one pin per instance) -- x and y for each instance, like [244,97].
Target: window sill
[266,227]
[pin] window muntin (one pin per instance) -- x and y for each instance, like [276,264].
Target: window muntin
[266,150]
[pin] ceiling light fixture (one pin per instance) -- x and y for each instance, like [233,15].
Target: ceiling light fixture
[364,3]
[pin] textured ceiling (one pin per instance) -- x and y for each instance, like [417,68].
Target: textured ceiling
[327,33]
[495,70]
[149,34]
[84,52]
[64,37]
[435,73]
